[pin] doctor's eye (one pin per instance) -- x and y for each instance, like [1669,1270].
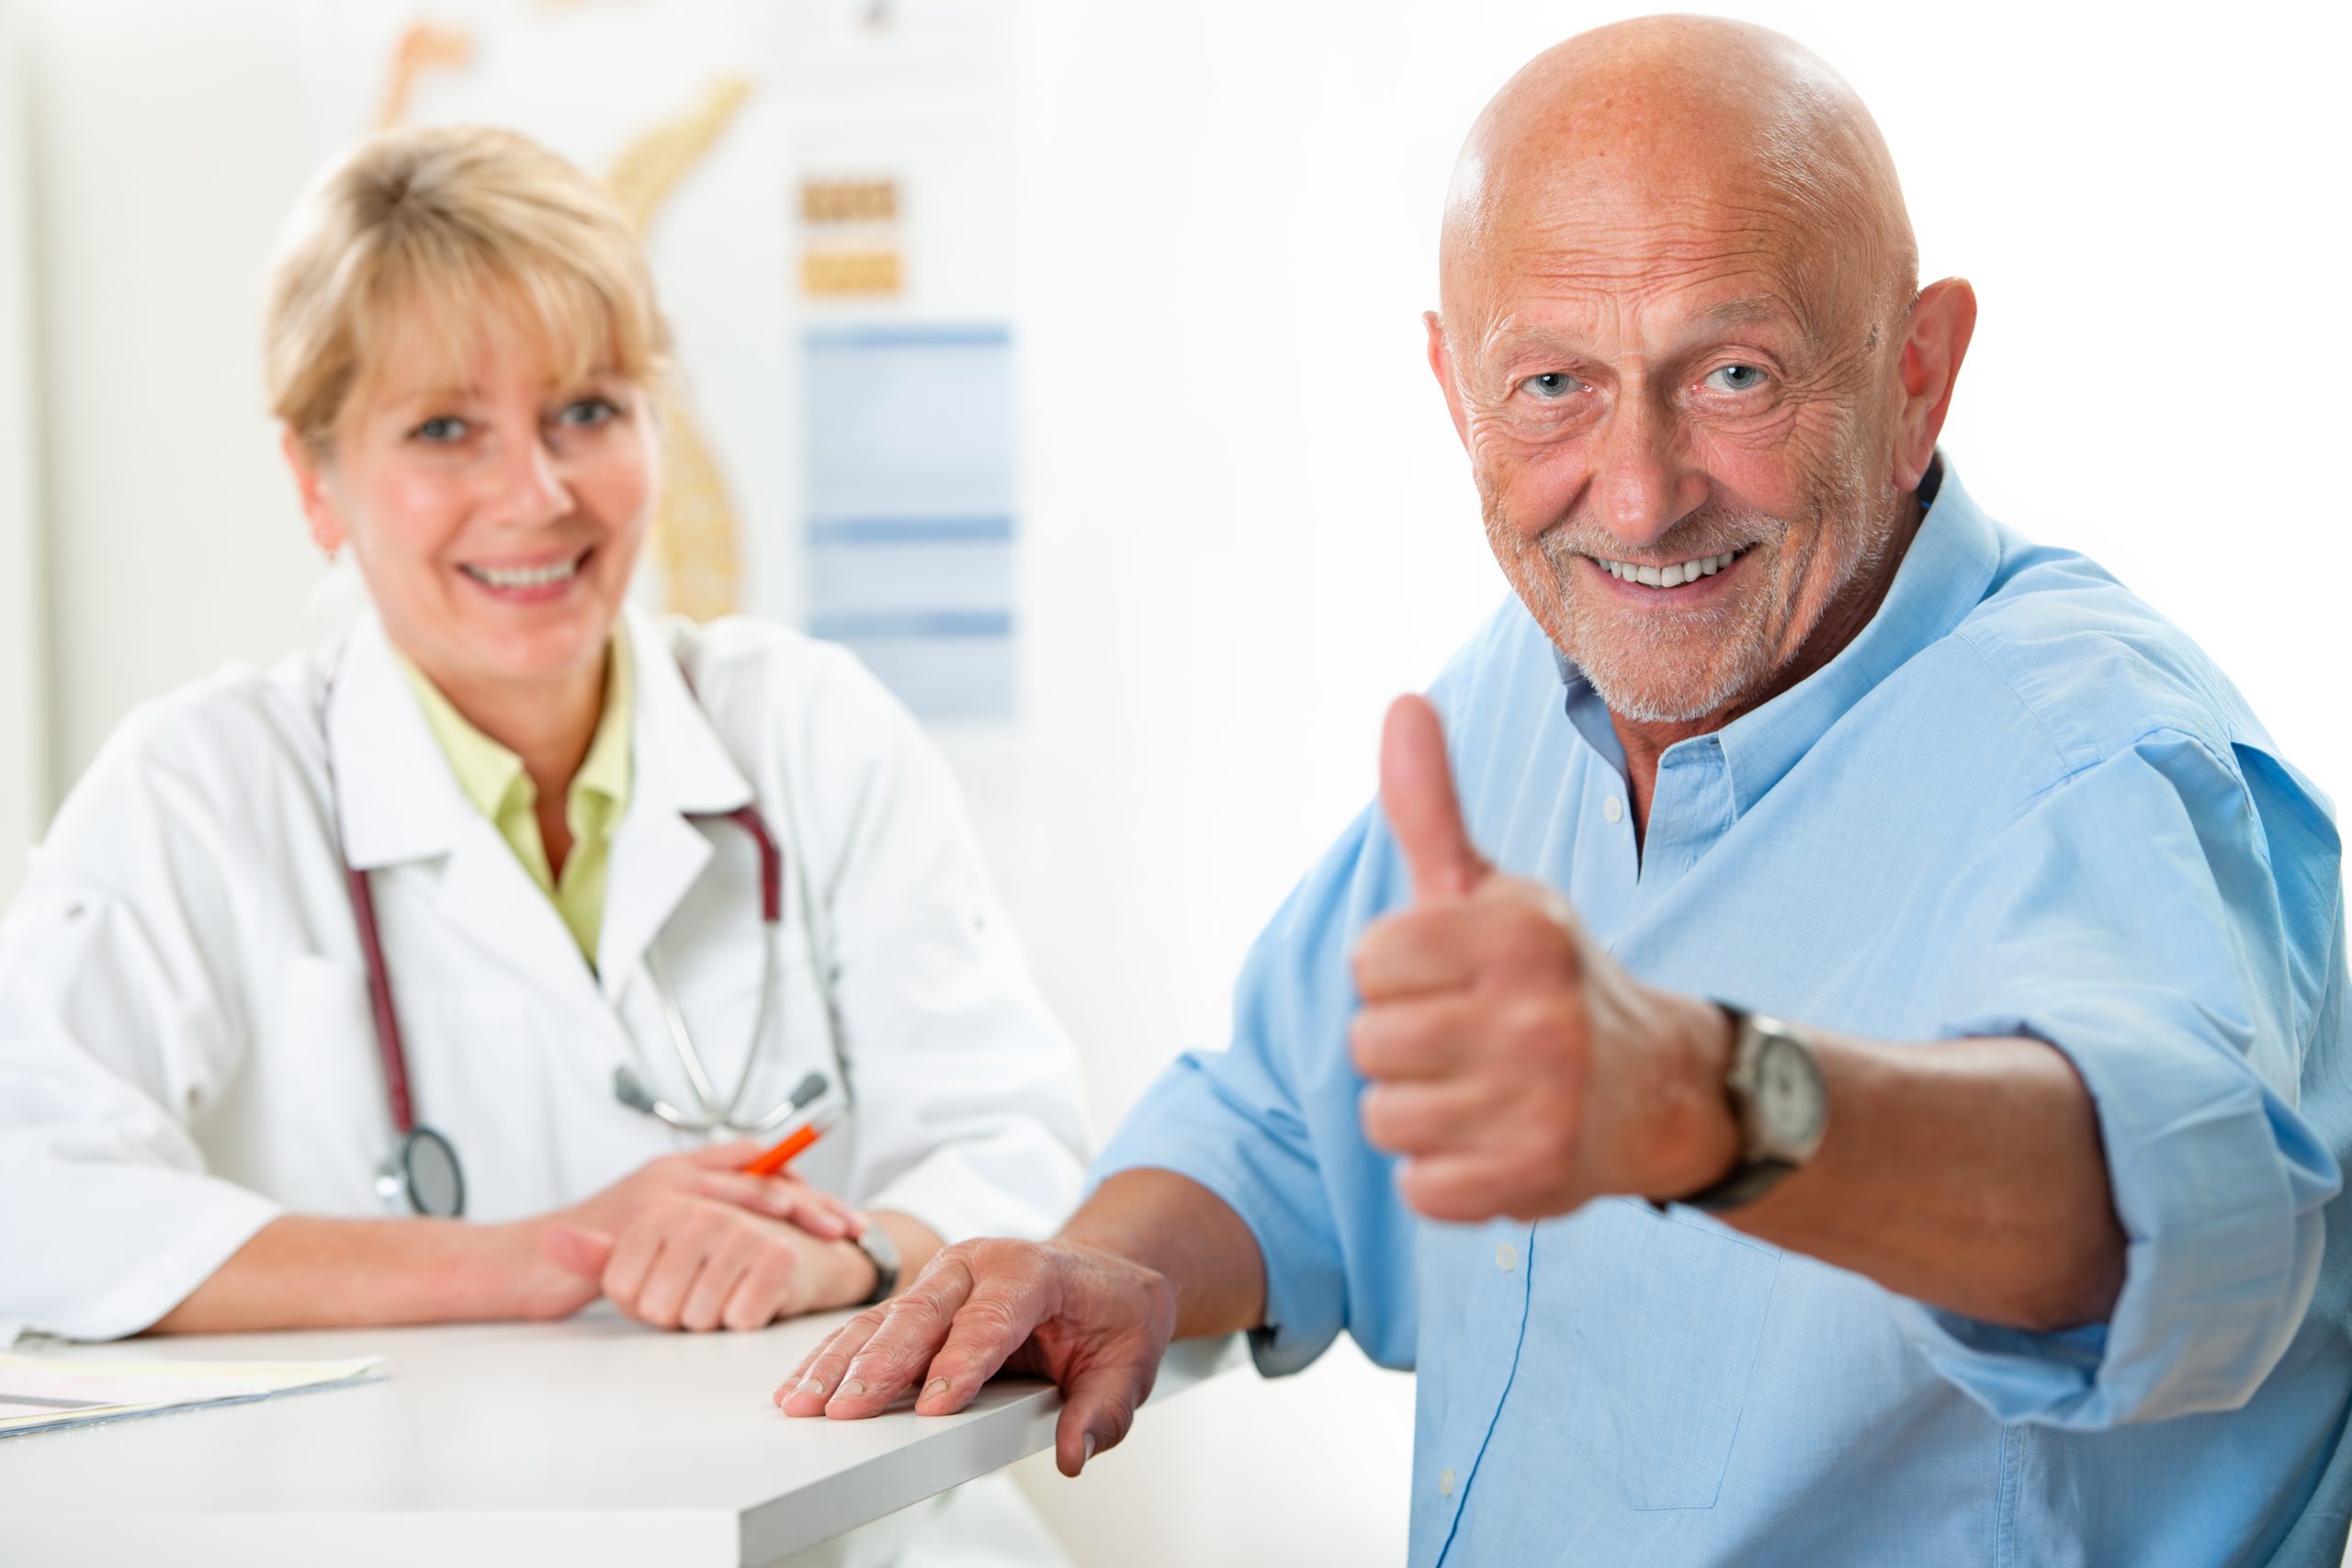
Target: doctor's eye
[1552,385]
[441,429]
[589,413]
[1734,379]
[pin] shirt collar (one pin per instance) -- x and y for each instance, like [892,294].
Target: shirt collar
[1951,563]
[489,773]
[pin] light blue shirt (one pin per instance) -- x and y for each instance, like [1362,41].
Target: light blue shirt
[2020,802]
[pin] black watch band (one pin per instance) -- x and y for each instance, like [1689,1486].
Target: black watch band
[1745,1183]
[1768,1153]
[883,1253]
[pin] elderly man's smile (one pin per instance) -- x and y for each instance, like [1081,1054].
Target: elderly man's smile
[1681,580]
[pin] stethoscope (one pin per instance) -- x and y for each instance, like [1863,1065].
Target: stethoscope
[422,1167]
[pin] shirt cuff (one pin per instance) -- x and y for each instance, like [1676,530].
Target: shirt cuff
[2219,1187]
[1183,1124]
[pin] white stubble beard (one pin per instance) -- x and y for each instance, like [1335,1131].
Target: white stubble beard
[1703,661]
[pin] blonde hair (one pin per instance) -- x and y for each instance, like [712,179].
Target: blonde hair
[463,225]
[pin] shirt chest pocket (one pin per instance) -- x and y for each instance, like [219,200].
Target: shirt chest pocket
[1664,1316]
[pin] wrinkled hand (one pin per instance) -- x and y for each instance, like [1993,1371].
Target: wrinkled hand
[648,1240]
[1516,1064]
[1091,1320]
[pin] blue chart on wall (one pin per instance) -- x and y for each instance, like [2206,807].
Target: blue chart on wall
[911,508]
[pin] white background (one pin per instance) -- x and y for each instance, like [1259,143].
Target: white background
[1245,521]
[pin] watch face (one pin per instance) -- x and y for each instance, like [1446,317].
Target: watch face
[1788,1099]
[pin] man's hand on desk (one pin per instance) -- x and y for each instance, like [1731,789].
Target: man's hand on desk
[1514,1062]
[1090,1318]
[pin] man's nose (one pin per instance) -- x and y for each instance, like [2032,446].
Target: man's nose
[1642,485]
[530,482]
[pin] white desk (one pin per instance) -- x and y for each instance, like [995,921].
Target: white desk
[587,1442]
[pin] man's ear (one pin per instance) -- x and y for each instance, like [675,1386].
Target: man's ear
[309,468]
[1441,367]
[1942,320]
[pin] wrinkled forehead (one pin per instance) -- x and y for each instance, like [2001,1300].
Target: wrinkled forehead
[1619,263]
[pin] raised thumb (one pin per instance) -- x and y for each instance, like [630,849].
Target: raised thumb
[576,1249]
[1417,793]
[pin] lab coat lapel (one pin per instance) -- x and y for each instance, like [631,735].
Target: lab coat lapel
[680,768]
[400,801]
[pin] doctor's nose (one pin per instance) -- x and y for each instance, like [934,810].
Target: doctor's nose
[528,485]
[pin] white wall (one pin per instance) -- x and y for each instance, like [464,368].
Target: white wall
[1246,520]
[24,719]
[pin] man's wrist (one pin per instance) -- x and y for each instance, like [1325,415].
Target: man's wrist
[1699,1139]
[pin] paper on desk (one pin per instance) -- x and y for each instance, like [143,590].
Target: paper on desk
[38,1392]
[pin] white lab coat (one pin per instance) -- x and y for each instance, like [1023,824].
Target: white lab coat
[185,1042]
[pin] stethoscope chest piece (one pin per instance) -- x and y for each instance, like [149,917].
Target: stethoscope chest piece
[422,1172]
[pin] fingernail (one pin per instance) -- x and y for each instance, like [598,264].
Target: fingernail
[1085,1449]
[808,1385]
[936,1387]
[854,1389]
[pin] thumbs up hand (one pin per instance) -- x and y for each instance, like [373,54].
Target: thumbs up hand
[1519,1067]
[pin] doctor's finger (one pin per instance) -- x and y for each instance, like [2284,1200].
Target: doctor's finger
[782,1198]
[713,1288]
[624,1272]
[683,1260]
[769,1290]
[734,1155]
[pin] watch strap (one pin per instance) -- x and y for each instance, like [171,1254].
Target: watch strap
[883,1253]
[1752,1176]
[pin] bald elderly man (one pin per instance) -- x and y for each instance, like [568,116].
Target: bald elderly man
[1842,1063]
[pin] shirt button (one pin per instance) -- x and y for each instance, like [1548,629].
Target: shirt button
[1506,1258]
[1445,1483]
[1613,809]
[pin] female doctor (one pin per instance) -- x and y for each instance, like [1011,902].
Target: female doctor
[454,973]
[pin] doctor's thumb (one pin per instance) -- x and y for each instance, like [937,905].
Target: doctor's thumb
[576,1249]
[1425,815]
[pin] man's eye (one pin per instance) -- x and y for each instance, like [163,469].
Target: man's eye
[1553,385]
[441,429]
[1735,378]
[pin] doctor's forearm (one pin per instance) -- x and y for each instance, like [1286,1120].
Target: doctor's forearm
[1189,1236]
[304,1271]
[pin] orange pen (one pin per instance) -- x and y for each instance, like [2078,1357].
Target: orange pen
[794,1143]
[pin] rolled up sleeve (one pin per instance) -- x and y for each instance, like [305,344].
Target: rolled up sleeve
[2133,918]
[107,1216]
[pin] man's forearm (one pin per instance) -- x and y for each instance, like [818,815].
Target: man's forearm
[1189,1236]
[304,1271]
[1968,1174]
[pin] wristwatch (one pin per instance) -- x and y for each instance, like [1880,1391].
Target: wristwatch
[883,1253]
[1782,1103]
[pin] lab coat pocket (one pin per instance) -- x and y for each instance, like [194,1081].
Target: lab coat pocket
[1682,1317]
